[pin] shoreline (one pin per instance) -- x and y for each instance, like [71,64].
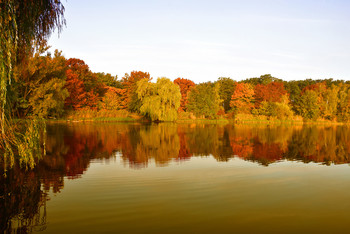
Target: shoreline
[200,121]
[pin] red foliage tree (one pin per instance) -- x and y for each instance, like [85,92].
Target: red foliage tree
[185,86]
[271,92]
[318,88]
[84,88]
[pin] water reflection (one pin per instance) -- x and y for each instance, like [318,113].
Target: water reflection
[22,202]
[71,147]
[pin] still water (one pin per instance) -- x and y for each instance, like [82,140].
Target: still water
[171,178]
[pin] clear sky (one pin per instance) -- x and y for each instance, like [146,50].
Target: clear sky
[203,40]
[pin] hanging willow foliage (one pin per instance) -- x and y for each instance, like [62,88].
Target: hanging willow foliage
[23,26]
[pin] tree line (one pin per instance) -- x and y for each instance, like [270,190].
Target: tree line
[50,86]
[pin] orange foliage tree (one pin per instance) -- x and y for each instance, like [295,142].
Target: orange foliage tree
[114,99]
[84,88]
[271,92]
[242,99]
[185,86]
[129,83]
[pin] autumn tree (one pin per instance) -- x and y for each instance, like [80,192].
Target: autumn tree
[227,86]
[23,24]
[108,80]
[242,99]
[84,88]
[343,113]
[325,101]
[271,92]
[330,102]
[294,88]
[308,105]
[48,99]
[185,86]
[40,85]
[263,79]
[114,99]
[129,83]
[159,101]
[280,110]
[204,100]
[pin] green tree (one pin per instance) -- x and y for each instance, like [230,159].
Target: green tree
[294,91]
[227,86]
[37,80]
[263,80]
[343,112]
[308,105]
[108,80]
[159,101]
[48,99]
[330,102]
[281,110]
[204,100]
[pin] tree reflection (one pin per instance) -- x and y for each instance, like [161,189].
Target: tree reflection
[70,148]
[22,202]
[325,145]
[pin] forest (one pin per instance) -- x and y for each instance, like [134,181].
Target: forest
[51,86]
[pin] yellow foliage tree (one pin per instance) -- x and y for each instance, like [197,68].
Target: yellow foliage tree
[159,101]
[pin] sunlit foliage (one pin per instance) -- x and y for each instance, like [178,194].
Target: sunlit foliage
[242,99]
[113,99]
[185,86]
[129,83]
[227,87]
[40,86]
[108,80]
[84,88]
[308,105]
[271,92]
[159,101]
[23,24]
[204,100]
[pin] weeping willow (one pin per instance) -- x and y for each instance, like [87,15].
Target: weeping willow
[24,25]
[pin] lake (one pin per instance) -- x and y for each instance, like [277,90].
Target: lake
[182,178]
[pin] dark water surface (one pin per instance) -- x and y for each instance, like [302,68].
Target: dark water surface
[171,178]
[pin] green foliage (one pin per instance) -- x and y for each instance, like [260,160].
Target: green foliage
[109,80]
[343,113]
[204,100]
[130,84]
[294,91]
[29,143]
[159,101]
[275,109]
[48,99]
[40,85]
[308,105]
[263,80]
[330,102]
[22,25]
[227,86]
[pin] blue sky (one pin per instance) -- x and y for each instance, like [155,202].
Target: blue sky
[204,40]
